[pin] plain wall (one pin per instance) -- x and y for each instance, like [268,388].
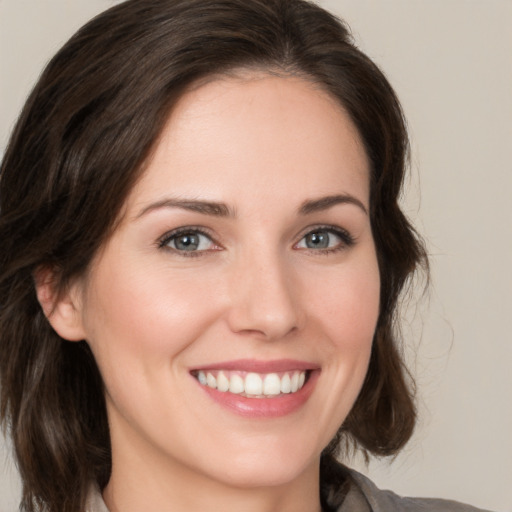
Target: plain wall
[451,63]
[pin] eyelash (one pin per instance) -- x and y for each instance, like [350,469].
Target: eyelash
[165,240]
[347,240]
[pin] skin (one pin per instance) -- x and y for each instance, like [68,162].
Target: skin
[263,146]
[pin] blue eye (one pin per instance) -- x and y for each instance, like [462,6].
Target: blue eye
[188,241]
[326,239]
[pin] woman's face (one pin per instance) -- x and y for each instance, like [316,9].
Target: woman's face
[232,312]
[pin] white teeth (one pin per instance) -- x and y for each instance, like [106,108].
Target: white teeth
[286,384]
[253,384]
[211,381]
[201,377]
[295,382]
[222,382]
[236,384]
[271,384]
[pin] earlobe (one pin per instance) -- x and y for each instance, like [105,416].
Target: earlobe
[61,308]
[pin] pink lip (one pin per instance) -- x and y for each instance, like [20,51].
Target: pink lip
[275,407]
[252,365]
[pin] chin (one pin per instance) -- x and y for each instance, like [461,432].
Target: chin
[268,466]
[273,473]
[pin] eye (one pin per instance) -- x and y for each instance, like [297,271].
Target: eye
[188,241]
[326,239]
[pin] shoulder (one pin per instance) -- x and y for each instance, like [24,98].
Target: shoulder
[346,490]
[387,501]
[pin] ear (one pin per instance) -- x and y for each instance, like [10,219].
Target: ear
[61,308]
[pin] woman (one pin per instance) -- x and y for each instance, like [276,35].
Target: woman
[202,258]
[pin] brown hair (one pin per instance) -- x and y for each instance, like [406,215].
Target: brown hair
[77,151]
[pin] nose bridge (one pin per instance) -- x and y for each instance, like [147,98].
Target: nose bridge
[263,298]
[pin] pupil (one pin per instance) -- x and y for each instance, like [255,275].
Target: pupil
[317,240]
[187,242]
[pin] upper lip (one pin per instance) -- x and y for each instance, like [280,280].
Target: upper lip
[258,366]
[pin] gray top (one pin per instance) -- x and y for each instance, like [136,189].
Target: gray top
[346,490]
[366,497]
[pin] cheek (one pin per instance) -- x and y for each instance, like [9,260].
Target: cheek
[349,306]
[351,328]
[146,316]
[345,314]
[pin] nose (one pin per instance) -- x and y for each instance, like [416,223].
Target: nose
[264,298]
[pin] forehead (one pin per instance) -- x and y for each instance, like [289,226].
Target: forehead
[256,135]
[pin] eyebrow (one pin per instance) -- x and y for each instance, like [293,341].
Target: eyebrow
[324,203]
[217,209]
[205,207]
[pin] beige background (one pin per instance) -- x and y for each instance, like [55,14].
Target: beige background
[451,64]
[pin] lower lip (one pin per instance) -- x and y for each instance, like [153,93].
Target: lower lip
[264,407]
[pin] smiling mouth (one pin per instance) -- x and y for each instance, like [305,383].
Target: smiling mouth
[252,384]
